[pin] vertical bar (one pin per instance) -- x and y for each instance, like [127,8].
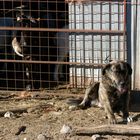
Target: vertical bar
[39,53]
[128,30]
[101,22]
[75,45]
[110,19]
[92,41]
[124,31]
[118,29]
[84,51]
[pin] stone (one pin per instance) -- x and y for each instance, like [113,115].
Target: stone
[41,137]
[96,137]
[65,129]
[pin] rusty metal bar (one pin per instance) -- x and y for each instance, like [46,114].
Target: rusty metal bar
[73,1]
[103,32]
[68,1]
[101,1]
[50,62]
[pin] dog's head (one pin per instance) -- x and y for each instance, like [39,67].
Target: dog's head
[119,73]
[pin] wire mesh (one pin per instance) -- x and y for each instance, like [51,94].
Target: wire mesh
[94,48]
[58,41]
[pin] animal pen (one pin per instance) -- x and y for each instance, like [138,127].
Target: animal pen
[61,41]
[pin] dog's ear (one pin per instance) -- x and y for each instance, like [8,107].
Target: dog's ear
[129,69]
[105,68]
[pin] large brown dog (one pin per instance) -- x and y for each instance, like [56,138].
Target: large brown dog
[113,92]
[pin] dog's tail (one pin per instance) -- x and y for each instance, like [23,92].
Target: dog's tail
[74,102]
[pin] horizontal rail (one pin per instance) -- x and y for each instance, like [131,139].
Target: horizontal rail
[51,62]
[106,32]
[72,1]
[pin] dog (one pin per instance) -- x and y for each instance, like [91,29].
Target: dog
[113,92]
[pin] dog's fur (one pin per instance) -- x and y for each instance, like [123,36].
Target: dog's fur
[113,92]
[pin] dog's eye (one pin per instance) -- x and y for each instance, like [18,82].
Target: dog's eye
[123,72]
[117,71]
[120,72]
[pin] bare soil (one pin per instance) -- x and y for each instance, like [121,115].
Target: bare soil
[36,114]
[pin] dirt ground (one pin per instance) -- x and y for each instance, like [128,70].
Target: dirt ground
[39,116]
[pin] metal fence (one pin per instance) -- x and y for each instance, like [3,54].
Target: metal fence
[59,42]
[100,34]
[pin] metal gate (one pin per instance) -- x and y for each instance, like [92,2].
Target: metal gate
[69,45]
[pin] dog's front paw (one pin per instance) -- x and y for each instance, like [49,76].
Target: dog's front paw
[128,119]
[82,105]
[112,121]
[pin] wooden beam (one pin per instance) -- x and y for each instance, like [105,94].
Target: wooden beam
[108,130]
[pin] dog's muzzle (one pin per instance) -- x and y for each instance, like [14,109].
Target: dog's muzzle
[122,88]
